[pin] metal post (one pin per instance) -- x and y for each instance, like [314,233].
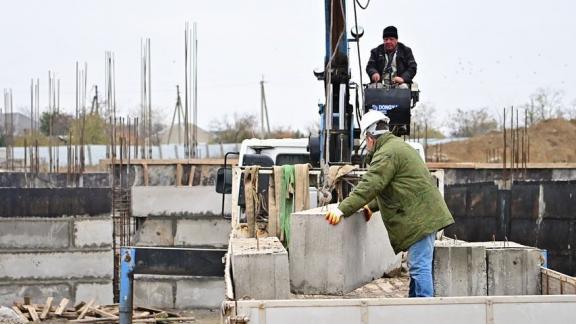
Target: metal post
[127,264]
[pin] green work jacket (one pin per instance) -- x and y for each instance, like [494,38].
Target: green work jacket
[399,184]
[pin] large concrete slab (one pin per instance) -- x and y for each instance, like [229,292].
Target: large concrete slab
[38,292]
[93,232]
[54,202]
[179,201]
[259,268]
[508,268]
[155,232]
[62,265]
[205,292]
[514,271]
[192,232]
[150,291]
[32,233]
[460,271]
[102,292]
[334,260]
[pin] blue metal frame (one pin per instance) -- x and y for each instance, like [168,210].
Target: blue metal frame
[163,261]
[127,265]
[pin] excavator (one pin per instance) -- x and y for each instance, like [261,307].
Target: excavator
[338,141]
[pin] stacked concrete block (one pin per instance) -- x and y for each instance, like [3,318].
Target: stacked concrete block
[184,231]
[334,260]
[180,292]
[514,271]
[170,200]
[259,268]
[63,257]
[460,271]
[183,217]
[486,268]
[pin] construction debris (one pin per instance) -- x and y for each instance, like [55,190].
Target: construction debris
[82,312]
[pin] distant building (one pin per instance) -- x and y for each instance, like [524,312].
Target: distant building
[21,122]
[203,135]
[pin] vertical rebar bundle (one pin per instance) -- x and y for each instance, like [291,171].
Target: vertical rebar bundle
[516,144]
[146,97]
[195,107]
[9,128]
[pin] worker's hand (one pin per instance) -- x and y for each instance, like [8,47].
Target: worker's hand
[333,216]
[375,77]
[367,213]
[398,80]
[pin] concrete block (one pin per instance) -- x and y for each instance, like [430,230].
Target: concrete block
[93,232]
[102,292]
[63,265]
[260,268]
[335,260]
[460,271]
[179,201]
[38,292]
[152,291]
[192,232]
[514,271]
[155,232]
[510,268]
[30,233]
[206,292]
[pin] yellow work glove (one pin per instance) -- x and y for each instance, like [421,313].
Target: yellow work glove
[333,216]
[367,213]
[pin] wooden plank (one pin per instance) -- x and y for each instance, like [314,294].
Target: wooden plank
[168,319]
[178,180]
[69,315]
[46,309]
[214,161]
[145,171]
[32,312]
[191,176]
[79,306]
[20,314]
[63,303]
[93,320]
[103,313]
[155,310]
[85,309]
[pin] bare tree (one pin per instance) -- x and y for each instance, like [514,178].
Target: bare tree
[235,129]
[424,117]
[468,123]
[544,104]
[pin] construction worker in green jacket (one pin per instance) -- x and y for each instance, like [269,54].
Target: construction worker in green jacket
[399,185]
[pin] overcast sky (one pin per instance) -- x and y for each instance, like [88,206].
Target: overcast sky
[470,54]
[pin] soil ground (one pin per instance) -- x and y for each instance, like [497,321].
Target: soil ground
[550,141]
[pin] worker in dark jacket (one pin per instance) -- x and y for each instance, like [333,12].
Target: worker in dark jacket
[399,185]
[391,63]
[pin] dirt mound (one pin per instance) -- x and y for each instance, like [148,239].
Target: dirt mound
[552,140]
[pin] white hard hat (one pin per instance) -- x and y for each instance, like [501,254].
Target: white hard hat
[370,121]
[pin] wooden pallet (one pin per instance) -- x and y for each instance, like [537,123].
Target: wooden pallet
[90,312]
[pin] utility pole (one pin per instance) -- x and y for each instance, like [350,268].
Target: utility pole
[95,108]
[264,122]
[177,111]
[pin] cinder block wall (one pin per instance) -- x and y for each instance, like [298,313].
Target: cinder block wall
[63,257]
[184,217]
